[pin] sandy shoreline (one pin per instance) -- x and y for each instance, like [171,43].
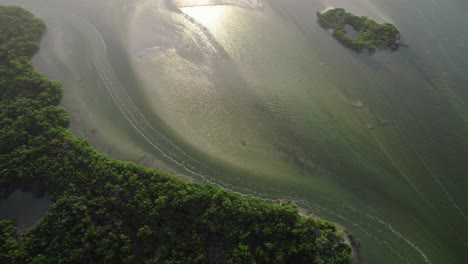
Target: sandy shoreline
[348,237]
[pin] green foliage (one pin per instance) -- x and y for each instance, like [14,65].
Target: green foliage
[19,33]
[108,211]
[8,241]
[370,33]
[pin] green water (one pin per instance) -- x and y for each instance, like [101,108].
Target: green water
[257,98]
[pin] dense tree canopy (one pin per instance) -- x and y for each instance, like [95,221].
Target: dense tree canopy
[108,211]
[370,33]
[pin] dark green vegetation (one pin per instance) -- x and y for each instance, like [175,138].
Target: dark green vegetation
[370,33]
[108,211]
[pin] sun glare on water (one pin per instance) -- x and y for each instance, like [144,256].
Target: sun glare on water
[209,16]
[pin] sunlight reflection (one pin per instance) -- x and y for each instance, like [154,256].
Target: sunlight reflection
[209,16]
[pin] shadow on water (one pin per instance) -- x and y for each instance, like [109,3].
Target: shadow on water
[25,207]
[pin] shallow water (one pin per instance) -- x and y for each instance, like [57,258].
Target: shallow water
[259,99]
[25,208]
[351,32]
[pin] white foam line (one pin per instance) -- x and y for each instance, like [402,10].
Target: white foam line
[398,234]
[436,179]
[346,220]
[131,119]
[107,84]
[148,50]
[145,120]
[124,90]
[395,252]
[134,125]
[180,164]
[447,194]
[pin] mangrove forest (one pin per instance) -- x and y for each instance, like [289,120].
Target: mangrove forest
[370,34]
[109,211]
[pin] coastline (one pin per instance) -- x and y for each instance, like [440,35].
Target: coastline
[346,235]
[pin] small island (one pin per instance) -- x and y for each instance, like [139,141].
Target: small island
[370,34]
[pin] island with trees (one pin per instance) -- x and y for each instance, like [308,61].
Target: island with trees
[370,34]
[109,211]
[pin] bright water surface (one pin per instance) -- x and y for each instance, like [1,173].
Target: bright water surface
[254,96]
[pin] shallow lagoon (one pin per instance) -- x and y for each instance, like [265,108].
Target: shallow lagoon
[259,99]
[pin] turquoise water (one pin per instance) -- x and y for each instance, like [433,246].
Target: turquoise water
[255,97]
